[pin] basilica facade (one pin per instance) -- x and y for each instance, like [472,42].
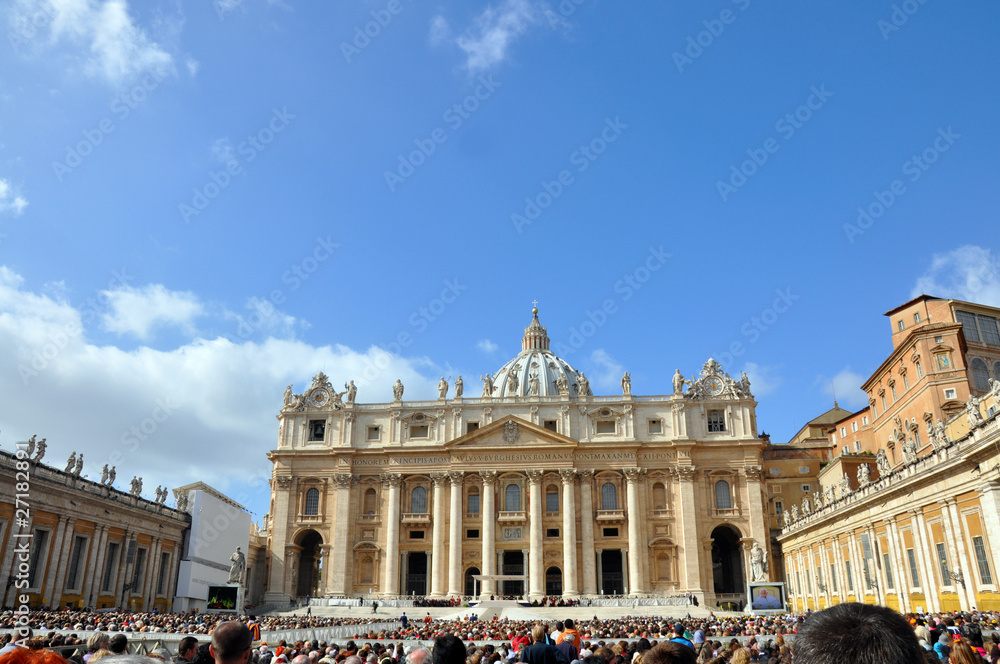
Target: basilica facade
[534,486]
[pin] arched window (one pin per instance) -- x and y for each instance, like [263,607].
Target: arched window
[312,502]
[552,499]
[367,570]
[512,498]
[368,506]
[473,502]
[659,497]
[609,496]
[418,500]
[996,370]
[723,501]
[980,375]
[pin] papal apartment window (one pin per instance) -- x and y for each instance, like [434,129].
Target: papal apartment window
[716,421]
[606,426]
[655,426]
[317,429]
[471,426]
[419,431]
[312,502]
[373,433]
[982,561]
[550,425]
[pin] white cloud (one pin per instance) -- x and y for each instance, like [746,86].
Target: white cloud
[192,66]
[845,387]
[487,346]
[138,310]
[10,200]
[219,397]
[967,273]
[222,150]
[607,374]
[440,30]
[262,317]
[763,378]
[103,34]
[486,43]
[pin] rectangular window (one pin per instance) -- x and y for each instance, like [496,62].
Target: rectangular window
[803,470]
[550,425]
[779,507]
[920,370]
[552,502]
[988,330]
[984,565]
[317,429]
[843,432]
[605,426]
[911,557]
[943,560]
[916,318]
[655,426]
[890,584]
[833,577]
[716,421]
[552,532]
[611,532]
[39,544]
[847,449]
[949,393]
[474,503]
[968,322]
[847,573]
[110,564]
[138,570]
[161,582]
[884,406]
[472,533]
[471,426]
[416,534]
[806,487]
[906,382]
[857,446]
[73,576]
[900,325]
[373,433]
[864,420]
[419,431]
[892,387]
[854,427]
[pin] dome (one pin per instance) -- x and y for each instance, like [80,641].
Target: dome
[536,370]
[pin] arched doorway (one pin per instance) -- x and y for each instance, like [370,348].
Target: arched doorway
[727,561]
[553,581]
[612,572]
[416,573]
[470,583]
[513,563]
[308,579]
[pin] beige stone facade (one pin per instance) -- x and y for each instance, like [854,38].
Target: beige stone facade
[583,495]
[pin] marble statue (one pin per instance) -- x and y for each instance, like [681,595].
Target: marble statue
[910,451]
[534,385]
[795,512]
[864,474]
[41,450]
[562,385]
[163,496]
[238,567]
[745,384]
[487,386]
[845,486]
[818,499]
[758,564]
[70,462]
[995,389]
[882,461]
[942,433]
[136,484]
[678,382]
[397,390]
[584,386]
[831,494]
[352,391]
[442,388]
[626,384]
[31,446]
[288,398]
[512,383]
[104,474]
[973,413]
[78,468]
[182,501]
[111,475]
[806,505]
[459,387]
[933,437]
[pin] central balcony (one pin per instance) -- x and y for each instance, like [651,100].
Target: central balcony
[512,517]
[611,516]
[415,518]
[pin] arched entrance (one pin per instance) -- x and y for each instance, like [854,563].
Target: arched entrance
[553,581]
[727,561]
[308,579]
[416,573]
[513,563]
[612,572]
[470,583]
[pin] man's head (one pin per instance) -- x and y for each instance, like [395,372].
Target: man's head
[671,652]
[417,655]
[300,659]
[569,623]
[859,633]
[231,643]
[538,633]
[187,647]
[569,638]
[449,649]
[118,644]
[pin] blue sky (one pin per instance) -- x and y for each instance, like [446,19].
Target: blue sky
[203,202]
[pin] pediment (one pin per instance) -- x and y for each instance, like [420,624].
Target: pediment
[941,348]
[511,431]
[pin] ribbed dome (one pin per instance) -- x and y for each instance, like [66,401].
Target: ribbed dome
[537,371]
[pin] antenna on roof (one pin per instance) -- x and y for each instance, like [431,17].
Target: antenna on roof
[833,388]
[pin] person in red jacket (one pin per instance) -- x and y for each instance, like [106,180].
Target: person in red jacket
[520,641]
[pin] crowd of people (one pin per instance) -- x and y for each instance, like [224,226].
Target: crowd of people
[845,633]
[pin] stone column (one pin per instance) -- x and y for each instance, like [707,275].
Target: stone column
[955,534]
[390,587]
[588,552]
[636,547]
[489,514]
[877,570]
[338,582]
[277,591]
[689,528]
[9,566]
[928,560]
[570,588]
[902,572]
[55,570]
[149,596]
[536,573]
[96,559]
[758,514]
[437,555]
[455,588]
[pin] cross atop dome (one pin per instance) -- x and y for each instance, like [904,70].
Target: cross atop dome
[536,337]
